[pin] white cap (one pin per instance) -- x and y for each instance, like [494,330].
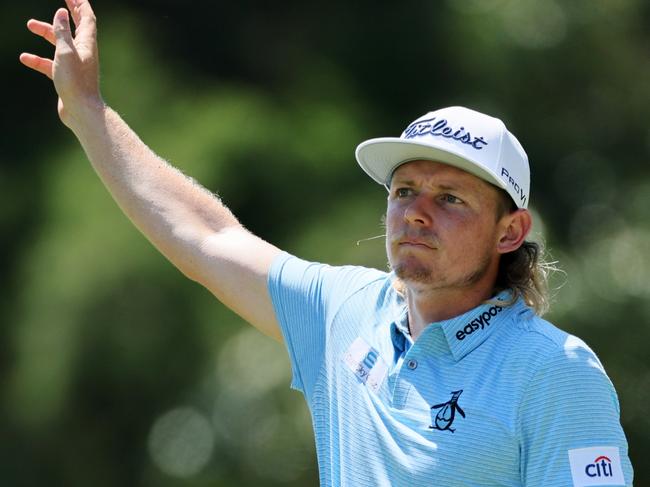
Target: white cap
[460,137]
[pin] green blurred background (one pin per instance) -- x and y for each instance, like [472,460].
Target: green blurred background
[117,371]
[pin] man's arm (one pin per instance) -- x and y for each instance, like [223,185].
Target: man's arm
[187,223]
[569,416]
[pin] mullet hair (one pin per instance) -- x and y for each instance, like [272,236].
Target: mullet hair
[525,271]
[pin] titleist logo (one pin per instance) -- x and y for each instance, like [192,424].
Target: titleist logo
[441,128]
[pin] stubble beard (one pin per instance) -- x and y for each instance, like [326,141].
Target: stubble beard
[418,274]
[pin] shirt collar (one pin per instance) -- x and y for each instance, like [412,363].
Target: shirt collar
[465,332]
[399,332]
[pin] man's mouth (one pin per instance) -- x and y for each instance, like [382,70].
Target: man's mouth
[416,242]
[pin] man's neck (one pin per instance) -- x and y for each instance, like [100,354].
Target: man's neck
[429,306]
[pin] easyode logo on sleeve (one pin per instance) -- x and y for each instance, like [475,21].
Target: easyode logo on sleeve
[600,465]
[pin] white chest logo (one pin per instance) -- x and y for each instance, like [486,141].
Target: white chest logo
[366,363]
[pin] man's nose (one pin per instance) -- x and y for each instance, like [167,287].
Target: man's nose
[418,212]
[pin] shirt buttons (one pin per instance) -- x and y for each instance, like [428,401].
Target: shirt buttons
[412,364]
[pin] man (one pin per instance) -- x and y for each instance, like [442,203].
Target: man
[439,373]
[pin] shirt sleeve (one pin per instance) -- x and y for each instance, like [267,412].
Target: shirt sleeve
[306,296]
[570,427]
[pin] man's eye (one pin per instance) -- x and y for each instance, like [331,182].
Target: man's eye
[403,192]
[450,198]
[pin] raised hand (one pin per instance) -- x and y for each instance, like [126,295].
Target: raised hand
[75,66]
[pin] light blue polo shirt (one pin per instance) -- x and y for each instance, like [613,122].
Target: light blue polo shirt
[494,397]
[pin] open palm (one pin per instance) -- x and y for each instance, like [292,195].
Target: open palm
[74,68]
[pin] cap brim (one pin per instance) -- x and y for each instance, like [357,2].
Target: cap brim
[380,157]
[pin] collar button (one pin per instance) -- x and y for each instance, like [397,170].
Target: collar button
[412,364]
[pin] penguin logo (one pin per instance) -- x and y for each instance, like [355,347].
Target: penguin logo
[447,414]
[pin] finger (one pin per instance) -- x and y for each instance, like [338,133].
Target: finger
[37,63]
[84,20]
[74,10]
[62,34]
[43,29]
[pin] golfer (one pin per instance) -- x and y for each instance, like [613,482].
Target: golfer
[440,372]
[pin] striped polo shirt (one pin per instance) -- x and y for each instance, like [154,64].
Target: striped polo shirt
[493,397]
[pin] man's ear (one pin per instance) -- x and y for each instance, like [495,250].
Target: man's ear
[514,228]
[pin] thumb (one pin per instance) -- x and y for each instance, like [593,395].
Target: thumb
[62,33]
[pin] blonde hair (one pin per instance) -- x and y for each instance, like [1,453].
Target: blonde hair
[525,272]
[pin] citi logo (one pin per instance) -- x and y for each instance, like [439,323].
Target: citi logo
[480,322]
[597,465]
[602,467]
